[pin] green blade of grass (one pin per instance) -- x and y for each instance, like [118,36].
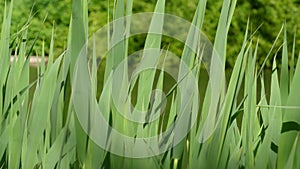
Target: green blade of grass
[284,76]
[79,33]
[53,154]
[5,54]
[117,53]
[79,30]
[287,139]
[291,157]
[272,132]
[150,57]
[193,37]
[4,138]
[223,28]
[187,63]
[114,60]
[207,129]
[40,113]
[292,63]
[57,107]
[51,50]
[249,112]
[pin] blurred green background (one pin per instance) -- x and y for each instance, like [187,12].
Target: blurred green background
[270,14]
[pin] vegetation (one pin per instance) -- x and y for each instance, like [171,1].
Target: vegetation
[59,129]
[265,15]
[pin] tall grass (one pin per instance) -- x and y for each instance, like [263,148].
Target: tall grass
[56,128]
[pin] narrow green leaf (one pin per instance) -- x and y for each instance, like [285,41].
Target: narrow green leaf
[284,76]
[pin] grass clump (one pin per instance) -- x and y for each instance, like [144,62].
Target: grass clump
[68,123]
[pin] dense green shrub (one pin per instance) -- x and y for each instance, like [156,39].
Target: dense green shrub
[56,12]
[270,15]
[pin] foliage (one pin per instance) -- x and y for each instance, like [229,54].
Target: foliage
[46,131]
[267,14]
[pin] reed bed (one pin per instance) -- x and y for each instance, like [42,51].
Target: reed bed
[59,124]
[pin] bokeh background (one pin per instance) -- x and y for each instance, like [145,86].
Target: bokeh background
[267,15]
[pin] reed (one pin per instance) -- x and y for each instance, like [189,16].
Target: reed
[60,125]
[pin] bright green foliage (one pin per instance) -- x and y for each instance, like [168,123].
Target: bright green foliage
[267,14]
[261,130]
